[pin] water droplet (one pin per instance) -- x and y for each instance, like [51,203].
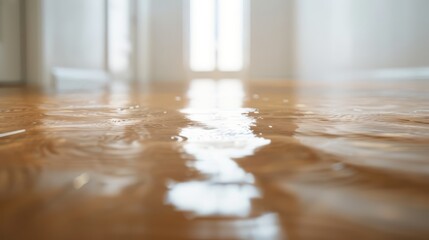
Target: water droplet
[80,180]
[177,138]
[178,98]
[270,126]
[338,166]
[255,96]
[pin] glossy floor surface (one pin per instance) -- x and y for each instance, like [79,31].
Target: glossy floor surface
[217,160]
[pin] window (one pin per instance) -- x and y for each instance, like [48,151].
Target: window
[216,30]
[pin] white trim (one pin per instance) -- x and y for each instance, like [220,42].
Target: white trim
[79,73]
[382,74]
[78,78]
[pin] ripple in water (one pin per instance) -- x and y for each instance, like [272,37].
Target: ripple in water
[220,133]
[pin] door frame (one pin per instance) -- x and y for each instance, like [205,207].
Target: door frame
[35,73]
[22,48]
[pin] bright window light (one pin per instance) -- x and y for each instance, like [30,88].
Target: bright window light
[216,35]
[203,31]
[230,38]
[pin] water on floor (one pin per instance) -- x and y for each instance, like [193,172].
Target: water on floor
[216,159]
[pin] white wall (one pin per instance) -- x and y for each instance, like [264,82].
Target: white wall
[64,34]
[143,41]
[75,33]
[298,38]
[393,33]
[271,39]
[338,38]
[167,40]
[10,41]
[309,38]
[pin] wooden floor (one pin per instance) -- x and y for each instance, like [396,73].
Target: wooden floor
[216,160]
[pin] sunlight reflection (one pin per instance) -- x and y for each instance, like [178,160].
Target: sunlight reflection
[222,133]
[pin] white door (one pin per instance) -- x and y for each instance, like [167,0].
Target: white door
[10,41]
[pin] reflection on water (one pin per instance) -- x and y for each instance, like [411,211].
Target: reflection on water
[263,161]
[221,132]
[6,134]
[369,126]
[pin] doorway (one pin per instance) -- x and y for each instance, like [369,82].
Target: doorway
[216,38]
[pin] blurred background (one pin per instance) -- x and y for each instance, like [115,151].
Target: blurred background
[62,43]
